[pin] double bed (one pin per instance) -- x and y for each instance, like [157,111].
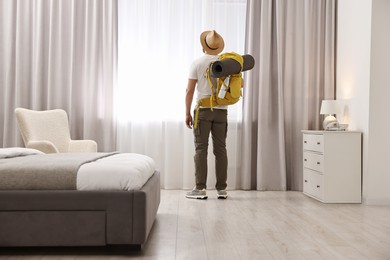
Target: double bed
[89,199]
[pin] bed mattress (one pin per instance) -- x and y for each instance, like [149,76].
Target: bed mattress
[30,169]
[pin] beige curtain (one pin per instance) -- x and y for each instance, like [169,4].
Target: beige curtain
[293,43]
[59,54]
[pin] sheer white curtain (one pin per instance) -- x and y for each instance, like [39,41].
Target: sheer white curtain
[59,54]
[157,41]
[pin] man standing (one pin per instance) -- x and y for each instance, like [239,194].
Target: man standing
[214,121]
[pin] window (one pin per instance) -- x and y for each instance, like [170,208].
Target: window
[158,39]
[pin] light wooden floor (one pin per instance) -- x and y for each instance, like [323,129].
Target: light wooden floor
[249,225]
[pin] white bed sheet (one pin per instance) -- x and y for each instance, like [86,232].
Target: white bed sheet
[124,171]
[13,152]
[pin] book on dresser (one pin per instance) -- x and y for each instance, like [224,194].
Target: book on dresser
[332,166]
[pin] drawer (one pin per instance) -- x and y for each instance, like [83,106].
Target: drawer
[313,142]
[314,161]
[313,183]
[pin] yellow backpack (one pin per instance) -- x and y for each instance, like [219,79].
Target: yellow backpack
[228,89]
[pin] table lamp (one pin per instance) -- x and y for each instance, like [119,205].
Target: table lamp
[329,108]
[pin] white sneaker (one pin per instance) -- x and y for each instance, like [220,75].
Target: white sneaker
[222,194]
[197,194]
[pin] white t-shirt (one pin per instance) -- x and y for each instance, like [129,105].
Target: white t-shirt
[198,71]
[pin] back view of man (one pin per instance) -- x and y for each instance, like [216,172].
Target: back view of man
[208,120]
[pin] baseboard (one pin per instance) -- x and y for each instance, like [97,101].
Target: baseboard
[376,202]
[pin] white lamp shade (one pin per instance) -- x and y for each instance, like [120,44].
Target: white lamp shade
[329,107]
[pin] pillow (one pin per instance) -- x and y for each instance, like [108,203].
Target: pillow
[17,151]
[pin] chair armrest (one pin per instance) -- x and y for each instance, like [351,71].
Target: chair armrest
[43,146]
[82,146]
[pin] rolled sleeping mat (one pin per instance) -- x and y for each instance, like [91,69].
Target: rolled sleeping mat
[226,67]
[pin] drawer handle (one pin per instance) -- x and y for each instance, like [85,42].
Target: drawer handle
[318,186]
[305,160]
[318,143]
[318,163]
[305,142]
[305,180]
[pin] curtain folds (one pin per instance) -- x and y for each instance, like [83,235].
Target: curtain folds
[293,43]
[66,54]
[59,54]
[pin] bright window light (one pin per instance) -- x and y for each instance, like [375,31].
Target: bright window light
[157,41]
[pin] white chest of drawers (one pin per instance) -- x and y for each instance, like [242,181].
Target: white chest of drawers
[332,166]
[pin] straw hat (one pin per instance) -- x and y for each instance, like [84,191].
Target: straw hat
[212,42]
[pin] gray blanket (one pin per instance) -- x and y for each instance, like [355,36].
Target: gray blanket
[44,172]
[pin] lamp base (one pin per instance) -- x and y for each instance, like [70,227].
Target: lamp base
[329,121]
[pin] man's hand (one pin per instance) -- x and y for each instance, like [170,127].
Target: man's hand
[189,122]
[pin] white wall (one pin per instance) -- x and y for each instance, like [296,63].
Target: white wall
[363,83]
[378,185]
[353,69]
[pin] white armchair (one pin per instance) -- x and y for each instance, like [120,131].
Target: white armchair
[48,131]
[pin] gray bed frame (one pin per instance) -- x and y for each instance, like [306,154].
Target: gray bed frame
[78,218]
